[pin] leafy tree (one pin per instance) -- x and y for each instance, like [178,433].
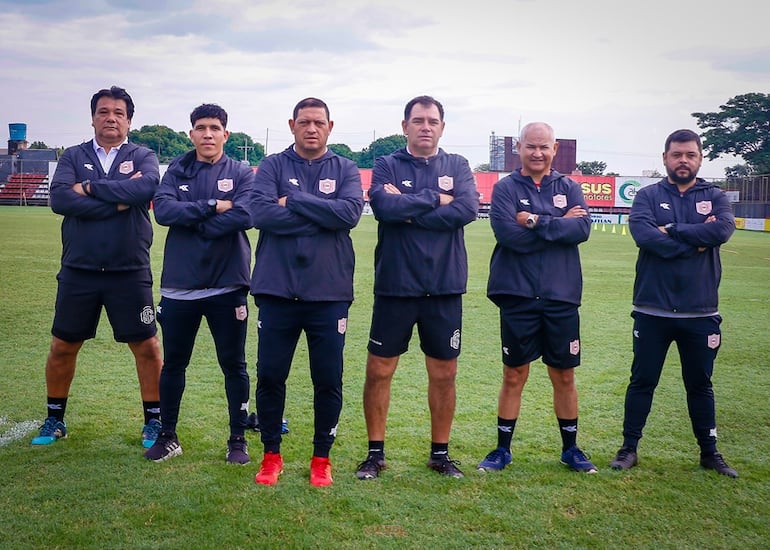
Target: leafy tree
[380,147]
[739,170]
[740,127]
[592,167]
[344,151]
[484,167]
[234,148]
[166,143]
[38,145]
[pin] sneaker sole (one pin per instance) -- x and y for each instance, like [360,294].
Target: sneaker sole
[237,463]
[485,469]
[170,454]
[587,471]
[267,481]
[46,440]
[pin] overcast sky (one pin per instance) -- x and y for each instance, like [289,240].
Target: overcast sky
[615,76]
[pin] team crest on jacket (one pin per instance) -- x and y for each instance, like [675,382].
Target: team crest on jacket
[703,207]
[342,325]
[126,167]
[447,183]
[560,201]
[225,185]
[574,347]
[327,186]
[713,341]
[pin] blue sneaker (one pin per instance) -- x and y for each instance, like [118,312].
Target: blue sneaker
[496,460]
[51,431]
[150,432]
[577,460]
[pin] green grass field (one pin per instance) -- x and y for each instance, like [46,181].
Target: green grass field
[95,490]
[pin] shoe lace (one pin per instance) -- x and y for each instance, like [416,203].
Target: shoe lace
[449,464]
[237,445]
[498,455]
[579,456]
[720,462]
[151,430]
[623,454]
[49,426]
[371,462]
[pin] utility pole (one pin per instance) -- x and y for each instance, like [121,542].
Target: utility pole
[245,151]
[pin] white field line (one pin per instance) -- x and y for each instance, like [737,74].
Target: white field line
[13,431]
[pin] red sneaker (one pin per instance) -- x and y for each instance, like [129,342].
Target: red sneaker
[320,472]
[271,468]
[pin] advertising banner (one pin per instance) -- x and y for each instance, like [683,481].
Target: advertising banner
[626,188]
[597,190]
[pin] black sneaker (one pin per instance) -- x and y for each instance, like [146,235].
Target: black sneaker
[716,462]
[445,466]
[165,447]
[371,467]
[237,452]
[625,459]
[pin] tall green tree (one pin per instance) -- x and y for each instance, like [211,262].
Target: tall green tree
[344,151]
[166,143]
[740,127]
[379,147]
[592,167]
[240,146]
[38,145]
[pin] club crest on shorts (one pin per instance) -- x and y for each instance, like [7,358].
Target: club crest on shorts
[147,315]
[446,183]
[126,167]
[574,347]
[241,312]
[327,186]
[225,185]
[342,325]
[454,341]
[560,201]
[703,207]
[713,340]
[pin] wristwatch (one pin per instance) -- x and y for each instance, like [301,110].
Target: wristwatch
[212,203]
[84,186]
[531,221]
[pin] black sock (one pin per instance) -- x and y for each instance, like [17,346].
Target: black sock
[568,429]
[377,448]
[56,407]
[505,429]
[151,410]
[439,450]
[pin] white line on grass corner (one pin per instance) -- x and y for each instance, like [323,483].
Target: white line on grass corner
[13,431]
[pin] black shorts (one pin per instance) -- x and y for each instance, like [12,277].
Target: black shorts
[438,320]
[531,328]
[125,295]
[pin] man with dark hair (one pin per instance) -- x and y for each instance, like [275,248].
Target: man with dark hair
[539,217]
[103,189]
[422,198]
[306,200]
[203,199]
[678,224]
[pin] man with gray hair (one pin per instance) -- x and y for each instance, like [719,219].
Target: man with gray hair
[539,217]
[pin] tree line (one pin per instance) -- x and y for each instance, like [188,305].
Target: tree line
[740,127]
